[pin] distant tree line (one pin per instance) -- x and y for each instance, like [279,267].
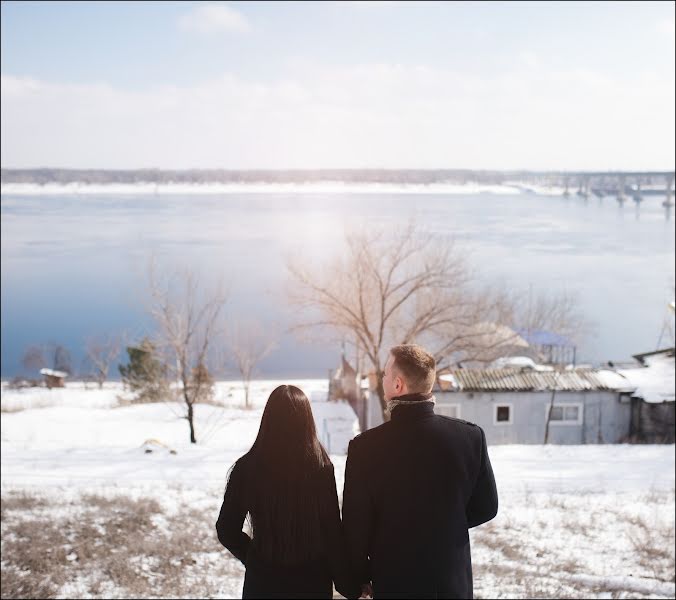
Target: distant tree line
[399,176]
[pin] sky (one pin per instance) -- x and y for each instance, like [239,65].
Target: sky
[283,85]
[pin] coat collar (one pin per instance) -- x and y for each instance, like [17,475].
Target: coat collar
[411,406]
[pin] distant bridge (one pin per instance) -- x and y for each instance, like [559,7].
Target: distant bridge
[621,185]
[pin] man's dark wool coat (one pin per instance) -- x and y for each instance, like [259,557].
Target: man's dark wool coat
[413,487]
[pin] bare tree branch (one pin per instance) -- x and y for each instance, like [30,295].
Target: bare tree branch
[187,326]
[410,286]
[100,352]
[249,344]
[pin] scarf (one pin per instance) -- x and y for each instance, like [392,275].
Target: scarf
[408,400]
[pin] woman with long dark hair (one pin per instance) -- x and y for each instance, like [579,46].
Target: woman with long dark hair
[286,485]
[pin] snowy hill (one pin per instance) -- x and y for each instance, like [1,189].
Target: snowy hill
[584,521]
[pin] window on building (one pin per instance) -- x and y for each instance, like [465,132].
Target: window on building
[566,413]
[503,414]
[448,410]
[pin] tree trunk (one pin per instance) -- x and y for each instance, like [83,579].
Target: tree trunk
[549,416]
[192,426]
[381,395]
[599,436]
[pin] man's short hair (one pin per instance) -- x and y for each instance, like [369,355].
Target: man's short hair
[417,367]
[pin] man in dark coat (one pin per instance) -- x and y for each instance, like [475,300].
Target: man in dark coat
[413,487]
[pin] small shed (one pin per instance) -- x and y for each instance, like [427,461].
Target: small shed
[653,418]
[553,348]
[54,378]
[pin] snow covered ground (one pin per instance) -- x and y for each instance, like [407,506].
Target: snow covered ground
[574,521]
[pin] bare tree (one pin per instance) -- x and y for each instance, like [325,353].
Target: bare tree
[187,324]
[474,330]
[85,373]
[549,415]
[549,311]
[249,344]
[33,358]
[668,331]
[100,352]
[410,286]
[510,317]
[61,359]
[405,287]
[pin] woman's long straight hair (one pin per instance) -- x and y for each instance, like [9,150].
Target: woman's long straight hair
[286,462]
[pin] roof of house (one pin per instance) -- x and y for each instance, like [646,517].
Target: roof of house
[523,380]
[53,373]
[506,362]
[667,352]
[656,379]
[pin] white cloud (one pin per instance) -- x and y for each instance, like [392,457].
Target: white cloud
[388,3]
[368,3]
[375,115]
[18,85]
[214,18]
[667,26]
[529,59]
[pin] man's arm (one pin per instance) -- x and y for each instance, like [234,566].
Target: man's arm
[483,503]
[357,513]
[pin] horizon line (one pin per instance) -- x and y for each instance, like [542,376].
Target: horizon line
[343,169]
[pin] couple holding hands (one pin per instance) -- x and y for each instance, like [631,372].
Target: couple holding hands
[413,487]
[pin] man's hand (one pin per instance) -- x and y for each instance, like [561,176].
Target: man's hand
[366,590]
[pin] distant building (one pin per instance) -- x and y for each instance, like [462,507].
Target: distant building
[653,414]
[54,378]
[552,348]
[512,404]
[526,406]
[345,383]
[588,406]
[486,342]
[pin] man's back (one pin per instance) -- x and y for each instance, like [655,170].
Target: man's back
[413,486]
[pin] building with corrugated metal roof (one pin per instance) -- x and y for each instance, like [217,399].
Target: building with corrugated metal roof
[526,405]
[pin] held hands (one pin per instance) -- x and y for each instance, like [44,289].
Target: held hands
[366,590]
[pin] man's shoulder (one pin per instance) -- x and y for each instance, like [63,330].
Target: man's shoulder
[457,422]
[460,426]
[365,438]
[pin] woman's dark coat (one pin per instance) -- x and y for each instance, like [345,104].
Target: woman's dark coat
[263,579]
[413,486]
